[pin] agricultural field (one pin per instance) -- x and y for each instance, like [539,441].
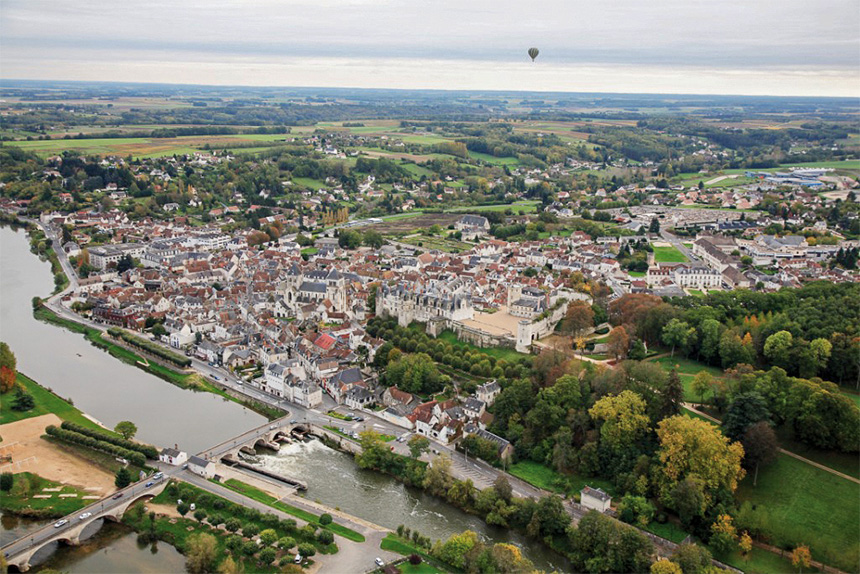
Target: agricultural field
[145,147]
[409,222]
[436,242]
[493,159]
[518,207]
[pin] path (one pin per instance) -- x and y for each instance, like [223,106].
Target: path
[690,407]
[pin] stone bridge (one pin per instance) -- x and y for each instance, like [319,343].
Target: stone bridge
[20,552]
[266,437]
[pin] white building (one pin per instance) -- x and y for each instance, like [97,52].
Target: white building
[595,498]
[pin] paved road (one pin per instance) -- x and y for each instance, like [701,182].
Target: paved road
[72,520]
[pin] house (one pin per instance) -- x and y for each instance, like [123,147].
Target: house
[202,467]
[358,398]
[172,456]
[505,449]
[488,392]
[595,499]
[472,222]
[474,408]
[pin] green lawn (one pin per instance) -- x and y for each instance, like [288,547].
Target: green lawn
[20,500]
[46,402]
[260,496]
[491,159]
[807,505]
[309,182]
[423,568]
[669,531]
[516,207]
[545,477]
[510,355]
[760,562]
[668,254]
[637,274]
[393,543]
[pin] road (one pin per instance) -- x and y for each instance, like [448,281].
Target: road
[73,521]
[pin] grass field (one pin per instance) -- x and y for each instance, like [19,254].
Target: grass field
[636,274]
[46,402]
[439,243]
[393,543]
[516,207]
[491,159]
[20,499]
[668,254]
[260,496]
[544,477]
[509,355]
[807,505]
[309,182]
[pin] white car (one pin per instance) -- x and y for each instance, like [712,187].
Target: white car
[298,559]
[60,523]
[85,515]
[379,562]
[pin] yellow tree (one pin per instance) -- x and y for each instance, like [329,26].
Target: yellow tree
[723,534]
[663,566]
[801,558]
[745,543]
[696,449]
[623,416]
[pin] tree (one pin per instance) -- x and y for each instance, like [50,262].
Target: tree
[821,350]
[230,566]
[348,239]
[672,396]
[635,509]
[777,348]
[509,559]
[724,535]
[454,550]
[503,488]
[373,239]
[695,448]
[182,508]
[7,480]
[124,264]
[268,536]
[8,368]
[325,519]
[745,410]
[325,537]
[23,401]
[233,524]
[702,383]
[199,515]
[624,419]
[677,334]
[123,478]
[654,227]
[286,542]
[801,558]
[414,373]
[267,556]
[126,428]
[437,478]
[418,445]
[200,551]
[761,446]
[306,549]
[578,318]
[692,558]
[710,331]
[619,342]
[663,566]
[745,543]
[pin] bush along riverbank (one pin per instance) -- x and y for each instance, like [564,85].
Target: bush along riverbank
[597,539]
[188,380]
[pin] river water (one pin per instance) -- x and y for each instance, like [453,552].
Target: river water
[111,391]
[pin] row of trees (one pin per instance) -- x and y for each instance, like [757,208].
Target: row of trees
[134,457]
[147,450]
[149,347]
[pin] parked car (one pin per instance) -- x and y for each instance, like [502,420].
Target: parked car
[379,562]
[158,475]
[60,523]
[85,515]
[298,559]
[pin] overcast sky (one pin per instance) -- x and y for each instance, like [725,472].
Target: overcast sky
[778,47]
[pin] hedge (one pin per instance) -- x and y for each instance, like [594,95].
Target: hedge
[133,457]
[150,347]
[146,450]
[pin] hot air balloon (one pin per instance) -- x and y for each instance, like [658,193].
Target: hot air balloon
[533,53]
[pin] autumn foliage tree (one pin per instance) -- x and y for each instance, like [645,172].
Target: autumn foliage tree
[578,318]
[8,367]
[693,448]
[619,342]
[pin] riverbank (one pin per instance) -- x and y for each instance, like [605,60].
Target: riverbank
[188,380]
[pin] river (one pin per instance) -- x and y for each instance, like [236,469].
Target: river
[111,391]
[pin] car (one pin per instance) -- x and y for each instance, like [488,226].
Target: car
[85,515]
[60,523]
[117,495]
[185,466]
[359,419]
[214,377]
[158,475]
[379,562]
[293,421]
[273,427]
[148,484]
[298,559]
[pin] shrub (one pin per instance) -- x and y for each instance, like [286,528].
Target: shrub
[414,559]
[306,549]
[325,537]
[233,524]
[250,530]
[267,556]
[6,481]
[325,519]
[286,542]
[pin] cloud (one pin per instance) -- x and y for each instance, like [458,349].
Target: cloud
[777,39]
